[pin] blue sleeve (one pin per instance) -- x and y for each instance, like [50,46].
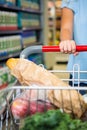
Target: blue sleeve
[71,4]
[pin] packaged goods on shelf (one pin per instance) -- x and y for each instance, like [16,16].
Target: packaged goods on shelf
[9,2]
[8,20]
[9,45]
[58,3]
[20,27]
[28,37]
[35,4]
[54,21]
[58,23]
[58,12]
[2,1]
[24,3]
[57,34]
[29,20]
[56,42]
[57,37]
[29,4]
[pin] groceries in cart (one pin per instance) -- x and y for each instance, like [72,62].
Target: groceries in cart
[27,104]
[28,73]
[52,120]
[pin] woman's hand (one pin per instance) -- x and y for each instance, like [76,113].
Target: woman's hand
[68,46]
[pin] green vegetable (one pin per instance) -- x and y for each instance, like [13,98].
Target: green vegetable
[53,120]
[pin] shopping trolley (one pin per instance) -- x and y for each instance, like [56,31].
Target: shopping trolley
[7,120]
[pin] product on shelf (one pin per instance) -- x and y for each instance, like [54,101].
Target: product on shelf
[58,3]
[36,4]
[57,34]
[54,21]
[8,2]
[9,45]
[8,20]
[29,4]
[2,1]
[29,20]
[28,37]
[58,23]
[16,18]
[57,37]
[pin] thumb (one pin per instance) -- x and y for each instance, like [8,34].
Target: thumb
[76,53]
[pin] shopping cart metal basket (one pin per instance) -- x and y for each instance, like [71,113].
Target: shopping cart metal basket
[7,121]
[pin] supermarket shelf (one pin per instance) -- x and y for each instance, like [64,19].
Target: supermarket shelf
[9,56]
[58,13]
[18,53]
[10,32]
[30,11]
[51,27]
[51,18]
[17,9]
[7,32]
[31,28]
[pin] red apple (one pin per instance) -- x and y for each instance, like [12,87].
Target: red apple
[20,108]
[39,106]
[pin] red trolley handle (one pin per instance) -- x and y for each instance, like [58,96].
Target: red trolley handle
[39,49]
[79,48]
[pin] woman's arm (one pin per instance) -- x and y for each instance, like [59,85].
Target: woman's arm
[67,43]
[67,24]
